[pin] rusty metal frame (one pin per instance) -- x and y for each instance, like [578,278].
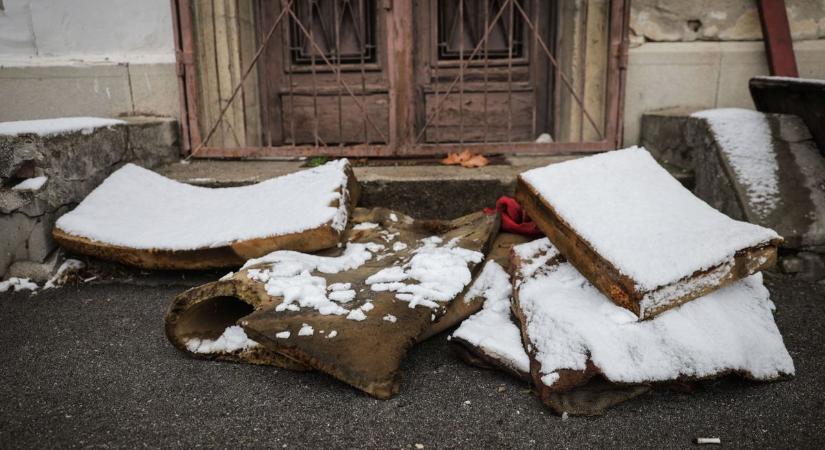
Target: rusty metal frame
[403,139]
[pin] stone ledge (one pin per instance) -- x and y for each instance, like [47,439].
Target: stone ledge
[74,163]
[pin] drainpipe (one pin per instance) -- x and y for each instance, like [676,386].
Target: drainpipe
[777,36]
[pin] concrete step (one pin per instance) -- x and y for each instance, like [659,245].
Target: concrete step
[424,191]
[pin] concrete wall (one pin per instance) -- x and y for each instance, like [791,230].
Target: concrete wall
[701,53]
[98,57]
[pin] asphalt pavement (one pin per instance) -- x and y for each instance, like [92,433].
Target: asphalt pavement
[89,366]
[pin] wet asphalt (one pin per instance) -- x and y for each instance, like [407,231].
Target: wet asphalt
[89,366]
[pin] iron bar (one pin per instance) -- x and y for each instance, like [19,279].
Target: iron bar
[486,65]
[510,74]
[461,71]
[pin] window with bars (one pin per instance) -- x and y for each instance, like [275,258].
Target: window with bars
[343,31]
[461,26]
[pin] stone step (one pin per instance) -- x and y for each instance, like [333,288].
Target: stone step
[422,191]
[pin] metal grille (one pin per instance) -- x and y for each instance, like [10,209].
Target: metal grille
[398,78]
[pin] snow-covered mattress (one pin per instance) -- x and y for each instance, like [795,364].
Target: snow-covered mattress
[141,218]
[575,332]
[637,234]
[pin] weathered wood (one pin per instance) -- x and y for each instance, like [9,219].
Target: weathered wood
[622,289]
[352,130]
[449,119]
[231,255]
[365,354]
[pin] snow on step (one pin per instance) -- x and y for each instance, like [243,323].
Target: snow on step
[30,184]
[137,208]
[50,127]
[491,329]
[744,136]
[568,321]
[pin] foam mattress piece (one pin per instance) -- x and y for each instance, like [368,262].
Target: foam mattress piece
[637,234]
[352,312]
[575,333]
[141,218]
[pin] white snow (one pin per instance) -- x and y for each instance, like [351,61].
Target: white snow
[282,335]
[534,255]
[340,287]
[744,137]
[233,339]
[365,226]
[357,315]
[17,284]
[288,275]
[30,184]
[492,329]
[368,306]
[393,217]
[138,208]
[332,334]
[306,330]
[399,246]
[69,265]
[63,125]
[436,273]
[390,318]
[569,321]
[792,79]
[639,218]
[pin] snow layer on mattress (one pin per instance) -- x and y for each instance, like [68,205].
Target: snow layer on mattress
[48,127]
[641,219]
[568,321]
[138,208]
[491,329]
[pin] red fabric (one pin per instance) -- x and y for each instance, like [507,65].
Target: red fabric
[513,218]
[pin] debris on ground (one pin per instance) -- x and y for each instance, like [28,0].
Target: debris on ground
[140,218]
[576,333]
[15,284]
[637,234]
[514,219]
[465,158]
[346,293]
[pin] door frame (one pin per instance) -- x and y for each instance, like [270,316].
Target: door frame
[399,22]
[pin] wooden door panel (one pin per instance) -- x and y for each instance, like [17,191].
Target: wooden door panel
[352,128]
[448,127]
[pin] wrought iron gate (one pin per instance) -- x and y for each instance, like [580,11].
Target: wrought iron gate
[266,78]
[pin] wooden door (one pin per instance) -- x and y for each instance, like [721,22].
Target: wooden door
[325,74]
[477,90]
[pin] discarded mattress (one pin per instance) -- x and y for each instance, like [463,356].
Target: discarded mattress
[637,234]
[140,218]
[352,312]
[575,333]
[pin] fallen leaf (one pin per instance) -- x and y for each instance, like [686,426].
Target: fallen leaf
[475,161]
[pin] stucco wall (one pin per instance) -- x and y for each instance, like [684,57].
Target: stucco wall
[86,57]
[701,53]
[718,20]
[53,31]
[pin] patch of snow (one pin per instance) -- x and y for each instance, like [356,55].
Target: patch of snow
[30,184]
[288,274]
[492,329]
[332,334]
[15,284]
[356,314]
[639,218]
[390,318]
[435,273]
[744,136]
[306,330]
[365,226]
[544,138]
[342,296]
[399,246]
[50,127]
[340,286]
[393,217]
[367,307]
[69,265]
[569,321]
[282,335]
[534,255]
[233,339]
[138,208]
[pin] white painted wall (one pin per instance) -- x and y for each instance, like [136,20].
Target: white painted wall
[37,32]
